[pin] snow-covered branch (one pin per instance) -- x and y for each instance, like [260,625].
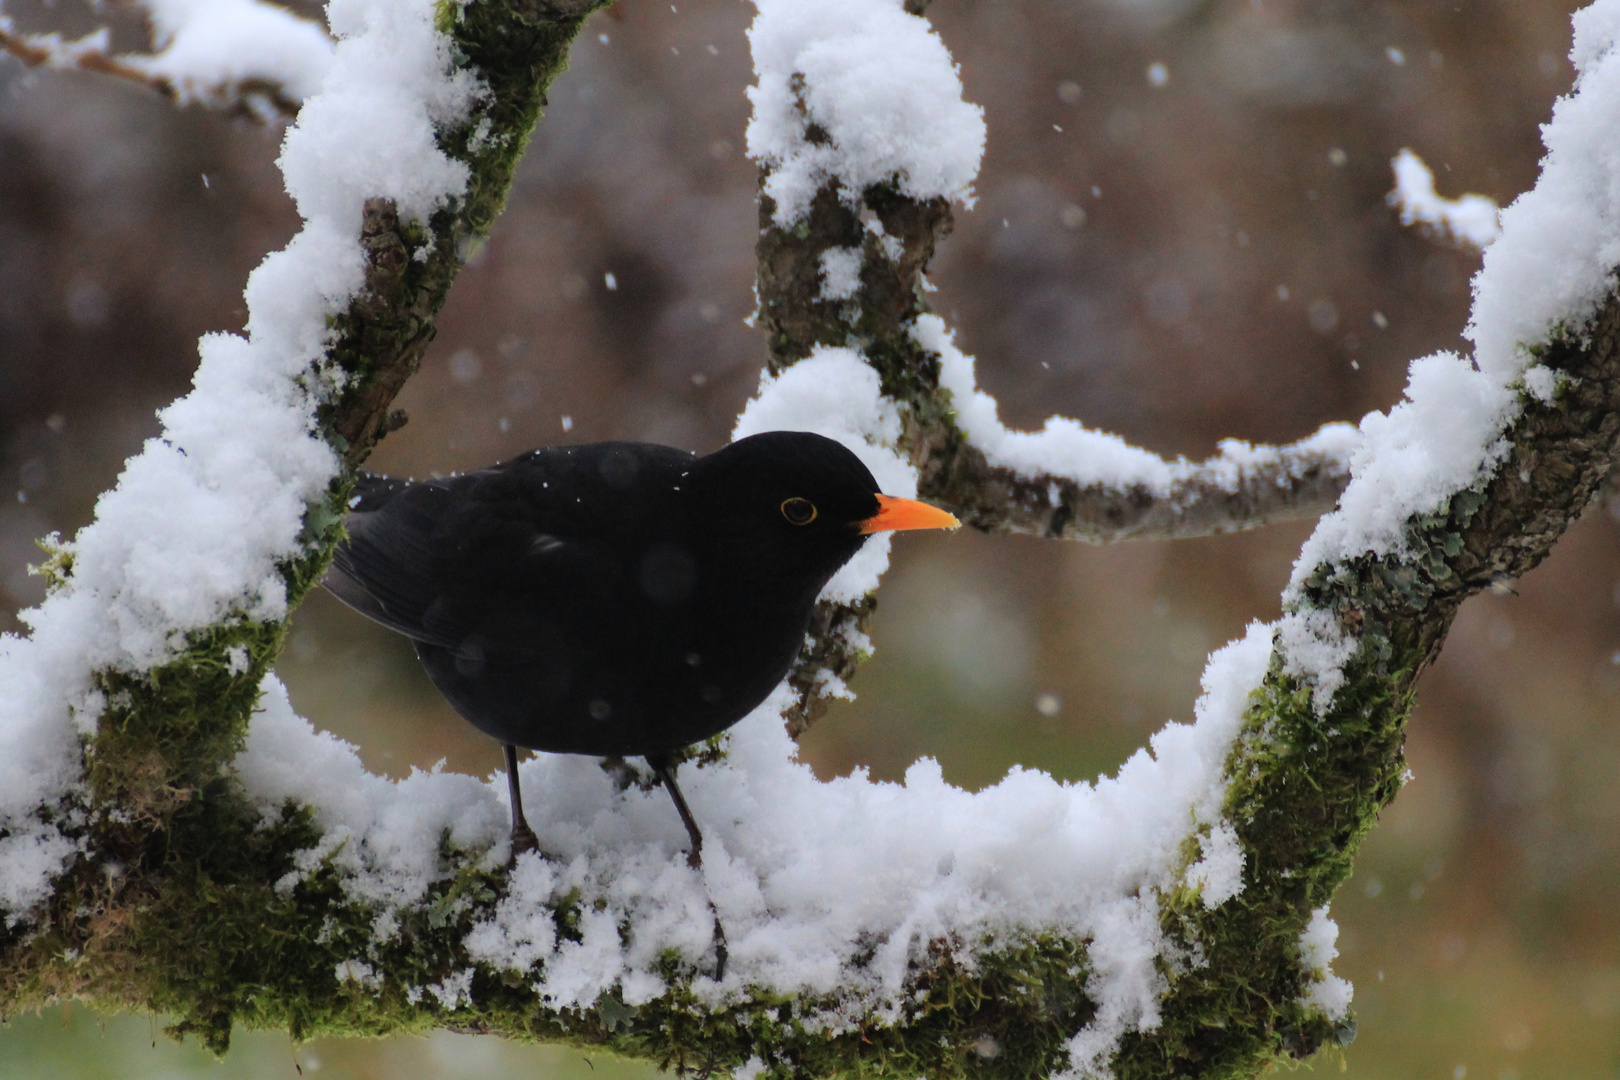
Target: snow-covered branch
[86,54]
[864,141]
[157,850]
[122,709]
[1469,220]
[1070,482]
[242,56]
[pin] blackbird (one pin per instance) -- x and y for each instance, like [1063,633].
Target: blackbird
[616,599]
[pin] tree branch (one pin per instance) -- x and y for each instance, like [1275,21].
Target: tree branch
[185,897]
[260,73]
[1243,487]
[88,54]
[1307,784]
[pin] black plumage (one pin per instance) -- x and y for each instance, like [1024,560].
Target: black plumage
[613,599]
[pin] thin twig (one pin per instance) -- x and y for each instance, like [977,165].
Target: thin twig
[1237,489]
[254,98]
[50,51]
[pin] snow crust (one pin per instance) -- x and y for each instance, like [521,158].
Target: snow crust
[1469,219]
[801,872]
[1069,450]
[192,533]
[209,47]
[882,89]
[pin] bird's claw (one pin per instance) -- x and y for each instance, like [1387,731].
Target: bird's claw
[720,951]
[523,840]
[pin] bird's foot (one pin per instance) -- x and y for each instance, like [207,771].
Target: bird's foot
[720,952]
[523,839]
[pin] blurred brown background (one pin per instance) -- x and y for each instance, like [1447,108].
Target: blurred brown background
[1178,263]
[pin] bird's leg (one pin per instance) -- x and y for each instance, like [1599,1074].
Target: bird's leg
[666,776]
[694,858]
[523,838]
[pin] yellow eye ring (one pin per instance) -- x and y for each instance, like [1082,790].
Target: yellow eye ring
[799,511]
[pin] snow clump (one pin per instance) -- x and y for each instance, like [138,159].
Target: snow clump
[858,92]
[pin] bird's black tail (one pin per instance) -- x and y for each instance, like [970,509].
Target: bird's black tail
[383,569]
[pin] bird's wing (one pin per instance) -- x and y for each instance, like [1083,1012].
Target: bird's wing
[443,561]
[384,569]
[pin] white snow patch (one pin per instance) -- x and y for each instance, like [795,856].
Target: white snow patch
[1219,874]
[453,989]
[1469,219]
[840,273]
[829,685]
[208,48]
[1542,383]
[1318,945]
[1315,648]
[358,971]
[882,89]
[521,934]
[1560,240]
[1445,435]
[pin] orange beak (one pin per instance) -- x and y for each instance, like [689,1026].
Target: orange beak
[895,515]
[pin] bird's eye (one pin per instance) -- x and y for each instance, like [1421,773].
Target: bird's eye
[799,511]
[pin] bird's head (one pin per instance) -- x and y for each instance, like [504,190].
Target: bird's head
[803,497]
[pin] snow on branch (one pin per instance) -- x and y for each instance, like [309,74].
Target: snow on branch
[1472,220]
[863,142]
[86,54]
[856,94]
[1072,482]
[244,56]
